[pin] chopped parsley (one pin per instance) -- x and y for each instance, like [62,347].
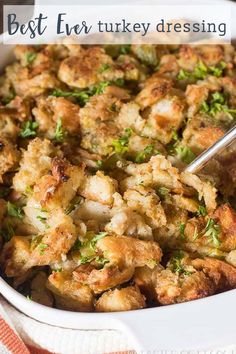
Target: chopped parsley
[29,129]
[185,153]
[30,57]
[7,99]
[176,264]
[201,71]
[201,211]
[59,132]
[83,96]
[125,49]
[74,202]
[93,241]
[104,67]
[42,247]
[163,192]
[217,104]
[212,231]
[121,145]
[15,211]
[145,155]
[28,190]
[182,230]
[29,297]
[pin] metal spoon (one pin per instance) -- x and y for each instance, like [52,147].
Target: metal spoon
[212,151]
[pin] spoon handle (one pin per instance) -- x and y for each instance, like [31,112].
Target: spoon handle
[212,151]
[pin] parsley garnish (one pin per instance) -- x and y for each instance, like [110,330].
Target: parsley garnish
[185,153]
[82,97]
[145,155]
[176,263]
[29,129]
[125,49]
[59,132]
[30,57]
[217,104]
[181,230]
[7,99]
[104,67]
[162,192]
[121,145]
[201,71]
[42,247]
[14,210]
[201,211]
[212,231]
[74,202]
[96,238]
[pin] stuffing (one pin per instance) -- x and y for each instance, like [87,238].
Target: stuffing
[89,68]
[9,156]
[98,119]
[146,202]
[205,190]
[70,294]
[39,291]
[125,221]
[97,212]
[57,109]
[57,189]
[54,244]
[124,299]
[157,172]
[15,256]
[99,188]
[35,162]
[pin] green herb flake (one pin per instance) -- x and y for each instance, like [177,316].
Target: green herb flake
[15,211]
[121,145]
[59,132]
[201,71]
[29,297]
[103,68]
[163,192]
[74,202]
[7,99]
[176,264]
[96,238]
[217,104]
[212,231]
[182,230]
[99,164]
[42,247]
[125,49]
[29,129]
[101,260]
[201,211]
[185,153]
[145,155]
[30,57]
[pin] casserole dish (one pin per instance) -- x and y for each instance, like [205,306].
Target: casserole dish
[167,328]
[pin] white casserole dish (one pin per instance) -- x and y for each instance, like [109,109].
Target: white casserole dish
[200,324]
